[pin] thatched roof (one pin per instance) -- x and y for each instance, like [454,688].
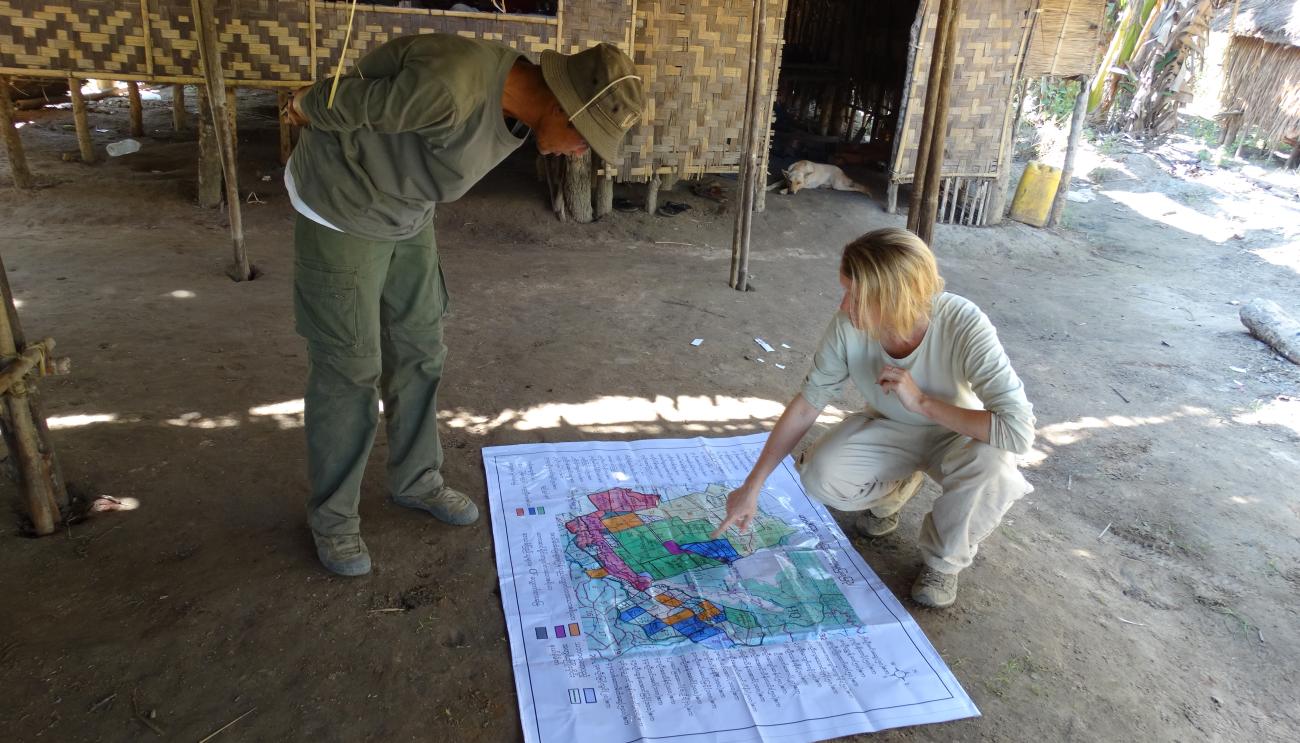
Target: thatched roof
[1262,79]
[1274,21]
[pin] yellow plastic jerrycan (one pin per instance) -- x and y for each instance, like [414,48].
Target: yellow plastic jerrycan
[1033,200]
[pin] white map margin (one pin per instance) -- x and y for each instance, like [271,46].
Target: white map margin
[533,715]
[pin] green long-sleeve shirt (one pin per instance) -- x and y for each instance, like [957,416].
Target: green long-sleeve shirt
[416,122]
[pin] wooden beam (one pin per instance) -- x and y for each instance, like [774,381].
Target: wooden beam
[180,117]
[18,169]
[749,163]
[137,108]
[81,120]
[934,168]
[1071,147]
[286,129]
[25,432]
[210,58]
[209,170]
[577,187]
[605,191]
[937,56]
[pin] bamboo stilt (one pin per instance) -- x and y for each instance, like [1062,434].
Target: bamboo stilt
[180,116]
[1071,147]
[210,57]
[232,119]
[81,120]
[938,141]
[749,165]
[286,129]
[25,432]
[18,169]
[137,108]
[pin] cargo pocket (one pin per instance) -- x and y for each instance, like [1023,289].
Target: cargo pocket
[325,308]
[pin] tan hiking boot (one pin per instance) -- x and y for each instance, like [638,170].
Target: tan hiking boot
[342,554]
[934,589]
[871,525]
[446,504]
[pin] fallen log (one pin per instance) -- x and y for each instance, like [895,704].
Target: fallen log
[1268,322]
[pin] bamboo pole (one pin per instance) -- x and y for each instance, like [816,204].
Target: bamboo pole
[1071,147]
[210,58]
[81,120]
[652,187]
[179,115]
[25,432]
[937,56]
[749,165]
[934,168]
[18,169]
[137,108]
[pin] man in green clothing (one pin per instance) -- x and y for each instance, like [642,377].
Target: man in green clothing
[418,121]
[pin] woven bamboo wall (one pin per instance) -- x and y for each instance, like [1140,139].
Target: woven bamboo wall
[692,55]
[1066,39]
[1262,79]
[992,38]
[265,42]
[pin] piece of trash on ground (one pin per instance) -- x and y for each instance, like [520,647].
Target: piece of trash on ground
[761,361]
[779,366]
[785,345]
[763,344]
[125,147]
[1239,370]
[697,341]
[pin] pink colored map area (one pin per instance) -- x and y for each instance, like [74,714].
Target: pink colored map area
[623,500]
[590,532]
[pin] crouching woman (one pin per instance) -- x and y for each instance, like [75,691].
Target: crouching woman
[942,399]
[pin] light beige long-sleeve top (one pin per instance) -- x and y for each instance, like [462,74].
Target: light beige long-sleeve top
[960,361]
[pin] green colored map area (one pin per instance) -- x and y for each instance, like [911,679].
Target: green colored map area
[650,574]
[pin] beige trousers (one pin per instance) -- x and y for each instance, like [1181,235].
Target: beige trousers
[862,461]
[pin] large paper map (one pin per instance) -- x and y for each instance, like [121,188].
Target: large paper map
[629,622]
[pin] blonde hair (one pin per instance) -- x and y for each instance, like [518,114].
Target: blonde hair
[893,277]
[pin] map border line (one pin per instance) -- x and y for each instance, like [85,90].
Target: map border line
[787,465]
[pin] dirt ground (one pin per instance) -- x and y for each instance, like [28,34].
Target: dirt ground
[1146,591]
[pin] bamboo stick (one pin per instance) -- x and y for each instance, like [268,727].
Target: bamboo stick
[137,108]
[929,200]
[937,56]
[210,57]
[18,169]
[748,176]
[81,121]
[1071,147]
[652,187]
[25,432]
[179,115]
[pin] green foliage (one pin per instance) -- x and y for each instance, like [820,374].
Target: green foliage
[1056,99]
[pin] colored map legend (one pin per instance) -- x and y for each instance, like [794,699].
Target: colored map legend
[581,696]
[573,629]
[538,511]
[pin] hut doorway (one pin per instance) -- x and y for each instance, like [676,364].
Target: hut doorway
[843,79]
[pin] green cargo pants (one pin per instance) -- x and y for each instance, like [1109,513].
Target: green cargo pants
[372,314]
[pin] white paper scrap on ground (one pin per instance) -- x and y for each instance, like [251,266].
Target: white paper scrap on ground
[763,344]
[697,341]
[785,345]
[628,623]
[779,366]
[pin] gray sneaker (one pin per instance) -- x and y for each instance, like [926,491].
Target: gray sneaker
[343,554]
[446,504]
[934,589]
[871,525]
